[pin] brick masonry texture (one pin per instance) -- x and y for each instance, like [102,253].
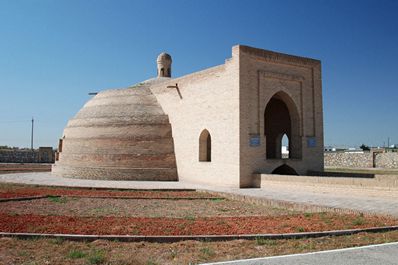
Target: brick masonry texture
[120,134]
[156,125]
[229,101]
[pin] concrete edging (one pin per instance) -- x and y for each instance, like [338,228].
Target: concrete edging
[25,198]
[206,238]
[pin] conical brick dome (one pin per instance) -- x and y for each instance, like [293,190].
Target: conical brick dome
[120,134]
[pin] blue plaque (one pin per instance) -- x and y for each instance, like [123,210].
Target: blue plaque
[254,140]
[311,142]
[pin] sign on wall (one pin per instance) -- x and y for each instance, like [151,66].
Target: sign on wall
[254,140]
[311,142]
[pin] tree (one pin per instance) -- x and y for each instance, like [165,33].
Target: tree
[365,147]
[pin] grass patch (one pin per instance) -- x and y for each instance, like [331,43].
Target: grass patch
[300,229]
[190,218]
[358,221]
[76,254]
[96,257]
[217,199]
[207,252]
[325,218]
[57,241]
[308,215]
[265,242]
[57,199]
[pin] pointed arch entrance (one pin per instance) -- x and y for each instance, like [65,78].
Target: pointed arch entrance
[284,170]
[281,117]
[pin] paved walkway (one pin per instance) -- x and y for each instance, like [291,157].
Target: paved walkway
[46,178]
[373,200]
[386,254]
[377,200]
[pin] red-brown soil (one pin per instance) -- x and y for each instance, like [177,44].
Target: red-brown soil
[159,217]
[187,226]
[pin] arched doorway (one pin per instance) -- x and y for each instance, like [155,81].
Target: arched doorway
[284,170]
[205,146]
[281,118]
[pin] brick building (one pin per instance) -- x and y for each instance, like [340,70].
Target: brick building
[216,126]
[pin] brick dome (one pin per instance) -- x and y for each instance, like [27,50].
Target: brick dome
[120,134]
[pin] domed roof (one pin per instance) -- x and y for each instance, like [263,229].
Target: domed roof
[164,57]
[119,134]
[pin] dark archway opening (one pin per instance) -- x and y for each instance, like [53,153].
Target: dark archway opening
[285,146]
[205,146]
[284,170]
[281,119]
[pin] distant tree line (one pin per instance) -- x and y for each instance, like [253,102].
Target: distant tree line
[6,147]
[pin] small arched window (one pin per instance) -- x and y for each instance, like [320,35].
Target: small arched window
[285,146]
[205,146]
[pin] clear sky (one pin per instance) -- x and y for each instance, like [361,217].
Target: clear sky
[53,53]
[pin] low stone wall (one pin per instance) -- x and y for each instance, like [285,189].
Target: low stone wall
[387,160]
[41,155]
[385,181]
[340,159]
[18,156]
[361,160]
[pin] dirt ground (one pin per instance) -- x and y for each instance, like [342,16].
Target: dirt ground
[53,251]
[90,207]
[159,213]
[19,190]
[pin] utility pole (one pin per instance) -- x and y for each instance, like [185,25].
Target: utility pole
[388,142]
[31,135]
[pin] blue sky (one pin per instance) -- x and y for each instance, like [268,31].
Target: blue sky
[52,53]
